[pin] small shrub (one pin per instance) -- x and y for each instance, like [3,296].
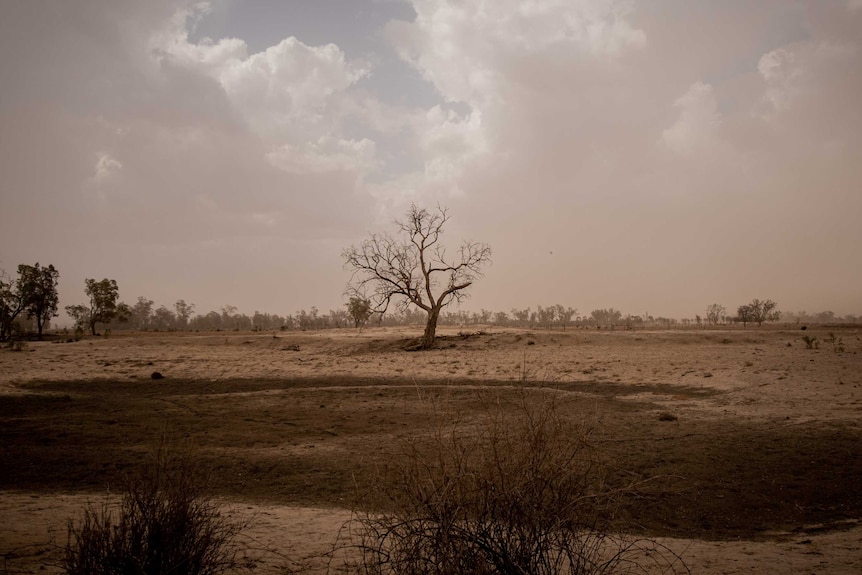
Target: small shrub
[837,343]
[163,524]
[16,341]
[519,494]
[811,342]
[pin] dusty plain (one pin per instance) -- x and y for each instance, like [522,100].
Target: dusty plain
[751,443]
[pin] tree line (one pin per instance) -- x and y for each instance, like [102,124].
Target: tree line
[410,273]
[33,296]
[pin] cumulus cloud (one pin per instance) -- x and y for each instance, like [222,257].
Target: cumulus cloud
[288,94]
[461,48]
[697,122]
[171,43]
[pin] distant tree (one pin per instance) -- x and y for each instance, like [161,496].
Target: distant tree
[184,313]
[227,314]
[164,319]
[825,317]
[359,309]
[608,316]
[501,318]
[546,316]
[410,268]
[212,320]
[522,316]
[104,307]
[564,315]
[714,313]
[745,314]
[142,313]
[13,300]
[38,287]
[764,311]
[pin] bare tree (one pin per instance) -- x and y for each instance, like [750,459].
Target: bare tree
[714,313]
[413,269]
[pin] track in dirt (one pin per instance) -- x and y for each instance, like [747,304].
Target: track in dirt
[314,440]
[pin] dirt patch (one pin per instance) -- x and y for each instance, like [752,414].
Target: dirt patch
[735,435]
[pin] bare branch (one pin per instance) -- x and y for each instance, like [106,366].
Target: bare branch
[410,270]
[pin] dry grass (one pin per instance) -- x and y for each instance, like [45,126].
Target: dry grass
[163,524]
[521,491]
[766,438]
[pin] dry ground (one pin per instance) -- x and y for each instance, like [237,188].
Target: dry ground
[750,440]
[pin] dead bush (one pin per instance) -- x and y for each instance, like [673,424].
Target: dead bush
[162,524]
[521,492]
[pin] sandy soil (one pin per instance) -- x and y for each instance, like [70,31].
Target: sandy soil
[763,376]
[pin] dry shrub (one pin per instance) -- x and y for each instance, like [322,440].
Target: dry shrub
[163,523]
[520,493]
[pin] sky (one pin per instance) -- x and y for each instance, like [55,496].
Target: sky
[652,156]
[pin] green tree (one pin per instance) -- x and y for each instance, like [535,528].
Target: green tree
[359,309]
[104,307]
[39,288]
[413,269]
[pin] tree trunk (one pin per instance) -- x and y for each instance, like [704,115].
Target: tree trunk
[430,329]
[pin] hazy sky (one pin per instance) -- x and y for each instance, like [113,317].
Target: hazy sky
[652,156]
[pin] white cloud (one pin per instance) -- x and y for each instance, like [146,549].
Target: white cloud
[698,119]
[480,53]
[461,48]
[171,43]
[796,71]
[105,167]
[289,83]
[782,72]
[289,92]
[450,143]
[327,154]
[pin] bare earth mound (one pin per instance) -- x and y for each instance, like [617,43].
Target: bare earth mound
[749,444]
